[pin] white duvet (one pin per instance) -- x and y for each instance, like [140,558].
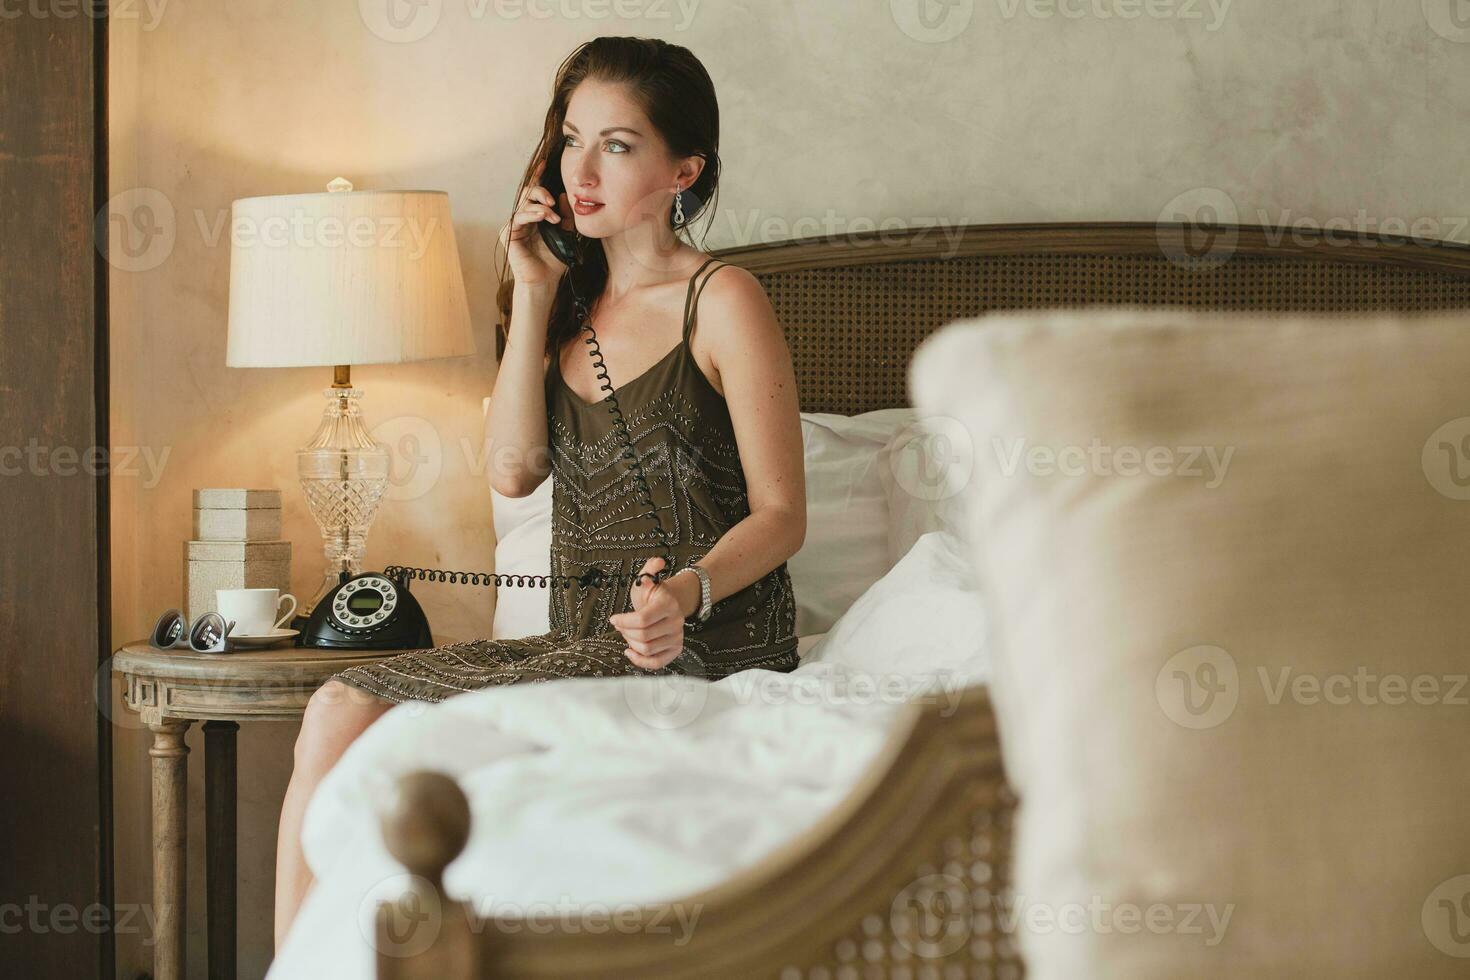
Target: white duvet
[586,791]
[602,793]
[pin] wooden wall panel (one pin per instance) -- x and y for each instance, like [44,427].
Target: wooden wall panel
[55,747]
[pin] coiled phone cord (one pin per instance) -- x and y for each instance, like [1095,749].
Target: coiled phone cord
[593,577]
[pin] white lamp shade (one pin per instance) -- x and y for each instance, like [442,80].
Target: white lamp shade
[345,277]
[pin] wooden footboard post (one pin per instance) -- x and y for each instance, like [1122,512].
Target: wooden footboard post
[424,934]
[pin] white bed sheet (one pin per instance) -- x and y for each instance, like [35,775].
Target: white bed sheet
[590,792]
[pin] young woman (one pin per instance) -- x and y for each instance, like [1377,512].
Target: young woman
[712,413]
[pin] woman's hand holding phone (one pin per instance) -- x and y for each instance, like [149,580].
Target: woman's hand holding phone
[532,263]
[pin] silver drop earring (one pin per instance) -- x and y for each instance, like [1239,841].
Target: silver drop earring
[679,208]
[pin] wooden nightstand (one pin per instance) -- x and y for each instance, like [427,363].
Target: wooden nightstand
[172,689]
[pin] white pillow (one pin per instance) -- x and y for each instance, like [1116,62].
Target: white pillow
[522,547]
[846,549]
[923,623]
[924,467]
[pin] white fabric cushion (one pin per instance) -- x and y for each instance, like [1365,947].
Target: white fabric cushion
[846,546]
[922,623]
[923,477]
[522,547]
[1227,569]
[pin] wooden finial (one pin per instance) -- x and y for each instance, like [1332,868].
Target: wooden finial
[427,823]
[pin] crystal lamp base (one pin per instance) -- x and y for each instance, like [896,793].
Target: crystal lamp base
[343,473]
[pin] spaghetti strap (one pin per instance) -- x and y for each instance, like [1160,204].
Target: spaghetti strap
[691,299]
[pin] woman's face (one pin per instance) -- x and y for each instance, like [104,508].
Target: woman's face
[613,156]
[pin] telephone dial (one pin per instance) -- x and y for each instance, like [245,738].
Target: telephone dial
[376,611]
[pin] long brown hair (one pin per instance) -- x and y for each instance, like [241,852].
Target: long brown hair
[676,94]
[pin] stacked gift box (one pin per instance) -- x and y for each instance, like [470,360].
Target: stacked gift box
[236,545]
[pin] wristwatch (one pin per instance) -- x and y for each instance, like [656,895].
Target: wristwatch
[702,613]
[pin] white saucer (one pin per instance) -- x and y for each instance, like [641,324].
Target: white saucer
[263,639]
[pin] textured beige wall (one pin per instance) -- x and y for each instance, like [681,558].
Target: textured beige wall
[836,116]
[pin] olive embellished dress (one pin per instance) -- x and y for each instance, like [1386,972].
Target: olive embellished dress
[681,430]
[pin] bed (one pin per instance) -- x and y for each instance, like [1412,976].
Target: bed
[895,864]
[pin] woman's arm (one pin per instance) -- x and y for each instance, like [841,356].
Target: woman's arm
[754,368]
[519,457]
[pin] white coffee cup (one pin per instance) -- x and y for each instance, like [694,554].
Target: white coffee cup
[253,611]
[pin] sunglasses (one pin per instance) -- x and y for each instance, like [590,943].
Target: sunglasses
[209,633]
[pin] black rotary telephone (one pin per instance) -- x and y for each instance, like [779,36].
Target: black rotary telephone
[375,611]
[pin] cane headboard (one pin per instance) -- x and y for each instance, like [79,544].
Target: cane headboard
[856,307]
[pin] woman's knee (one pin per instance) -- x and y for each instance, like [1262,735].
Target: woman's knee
[335,715]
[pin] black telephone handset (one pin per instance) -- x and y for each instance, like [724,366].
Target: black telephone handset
[564,244]
[375,611]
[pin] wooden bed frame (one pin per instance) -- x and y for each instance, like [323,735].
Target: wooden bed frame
[907,877]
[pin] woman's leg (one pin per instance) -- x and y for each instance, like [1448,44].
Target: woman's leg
[336,714]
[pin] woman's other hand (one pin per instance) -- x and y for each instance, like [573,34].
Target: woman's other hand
[655,627]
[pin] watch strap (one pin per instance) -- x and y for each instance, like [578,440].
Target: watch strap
[701,614]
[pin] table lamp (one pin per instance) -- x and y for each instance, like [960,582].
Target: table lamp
[341,278]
